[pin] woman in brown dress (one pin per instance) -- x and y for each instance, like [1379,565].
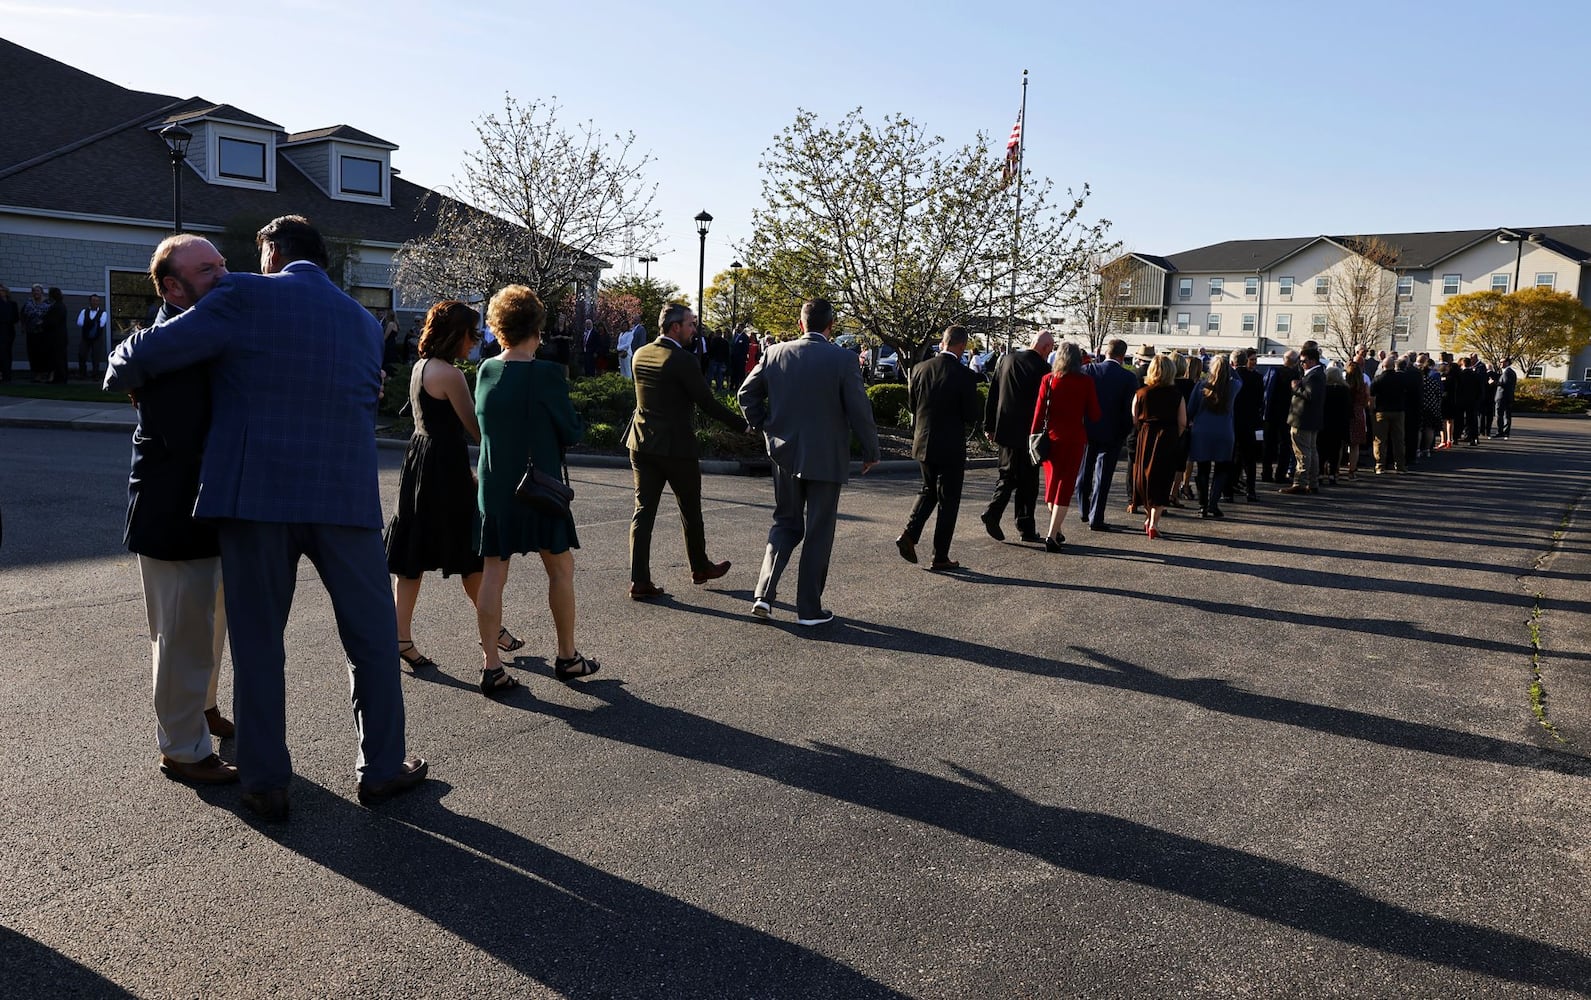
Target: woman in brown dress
[1161,415]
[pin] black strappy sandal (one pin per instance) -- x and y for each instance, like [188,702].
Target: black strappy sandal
[574,667]
[497,682]
[419,661]
[506,643]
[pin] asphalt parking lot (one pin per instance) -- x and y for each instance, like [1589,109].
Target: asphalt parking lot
[1291,753]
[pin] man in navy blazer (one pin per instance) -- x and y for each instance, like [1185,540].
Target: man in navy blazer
[179,559]
[1115,386]
[290,470]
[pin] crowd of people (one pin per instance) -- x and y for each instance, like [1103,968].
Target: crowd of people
[256,398]
[46,329]
[1203,430]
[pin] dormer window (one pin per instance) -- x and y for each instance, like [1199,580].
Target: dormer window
[240,159]
[360,176]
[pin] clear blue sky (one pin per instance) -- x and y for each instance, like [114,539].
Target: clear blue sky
[1193,123]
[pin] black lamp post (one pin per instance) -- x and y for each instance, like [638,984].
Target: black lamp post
[734,295]
[648,260]
[703,220]
[177,139]
[1518,240]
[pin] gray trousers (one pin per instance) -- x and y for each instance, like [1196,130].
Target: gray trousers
[187,637]
[803,510]
[260,562]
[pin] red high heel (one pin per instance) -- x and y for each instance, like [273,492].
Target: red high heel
[1153,532]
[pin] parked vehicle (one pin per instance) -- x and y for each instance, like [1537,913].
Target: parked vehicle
[1576,388]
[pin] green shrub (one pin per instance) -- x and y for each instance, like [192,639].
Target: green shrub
[603,399]
[603,437]
[1543,395]
[890,404]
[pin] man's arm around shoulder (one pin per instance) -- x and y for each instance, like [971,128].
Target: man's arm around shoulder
[200,334]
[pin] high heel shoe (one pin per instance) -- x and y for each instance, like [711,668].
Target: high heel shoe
[1054,542]
[1153,532]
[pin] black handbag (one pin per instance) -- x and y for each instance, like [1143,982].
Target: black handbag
[543,493]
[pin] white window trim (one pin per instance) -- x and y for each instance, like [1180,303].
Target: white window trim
[1184,289]
[341,150]
[1212,322]
[1248,284]
[1284,322]
[1184,321]
[1284,287]
[1551,283]
[1504,286]
[215,132]
[1322,287]
[1250,323]
[1217,287]
[1315,327]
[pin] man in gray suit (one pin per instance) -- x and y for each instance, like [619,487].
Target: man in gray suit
[806,397]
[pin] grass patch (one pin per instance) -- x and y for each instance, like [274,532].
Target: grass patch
[1538,688]
[74,392]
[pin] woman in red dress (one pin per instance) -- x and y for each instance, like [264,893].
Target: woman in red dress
[1066,397]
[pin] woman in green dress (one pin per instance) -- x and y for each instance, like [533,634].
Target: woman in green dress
[523,408]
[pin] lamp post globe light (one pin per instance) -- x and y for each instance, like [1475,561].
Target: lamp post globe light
[1518,240]
[734,295]
[703,220]
[177,139]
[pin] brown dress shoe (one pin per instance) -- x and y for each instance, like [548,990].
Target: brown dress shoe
[410,774]
[645,591]
[210,771]
[942,565]
[907,548]
[714,571]
[220,726]
[269,804]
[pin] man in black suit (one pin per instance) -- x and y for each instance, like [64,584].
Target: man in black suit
[944,401]
[1248,416]
[1277,452]
[1007,418]
[739,349]
[593,345]
[179,558]
[1115,387]
[669,387]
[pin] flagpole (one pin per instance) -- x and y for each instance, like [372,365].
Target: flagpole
[1016,245]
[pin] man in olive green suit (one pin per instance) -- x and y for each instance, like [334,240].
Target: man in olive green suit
[669,386]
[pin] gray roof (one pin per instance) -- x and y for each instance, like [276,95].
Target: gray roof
[81,144]
[346,132]
[1416,251]
[222,112]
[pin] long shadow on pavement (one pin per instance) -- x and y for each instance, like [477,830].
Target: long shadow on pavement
[1388,628]
[1213,693]
[32,969]
[1089,843]
[564,923]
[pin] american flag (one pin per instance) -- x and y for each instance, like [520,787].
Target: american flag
[1013,151]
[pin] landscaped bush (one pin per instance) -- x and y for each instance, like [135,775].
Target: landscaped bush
[601,437]
[1542,395]
[890,404]
[603,399]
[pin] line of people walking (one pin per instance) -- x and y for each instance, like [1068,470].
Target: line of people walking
[256,399]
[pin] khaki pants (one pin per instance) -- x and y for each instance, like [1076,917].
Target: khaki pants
[1389,442]
[187,636]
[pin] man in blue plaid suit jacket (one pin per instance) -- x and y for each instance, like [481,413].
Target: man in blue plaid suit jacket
[290,470]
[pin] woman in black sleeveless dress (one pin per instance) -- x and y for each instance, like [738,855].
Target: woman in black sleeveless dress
[434,528]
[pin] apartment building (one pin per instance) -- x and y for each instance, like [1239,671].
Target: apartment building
[1274,294]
